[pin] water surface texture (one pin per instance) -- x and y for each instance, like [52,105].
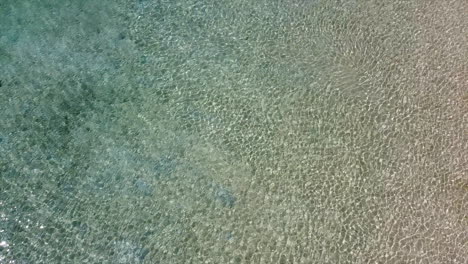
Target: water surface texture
[233,131]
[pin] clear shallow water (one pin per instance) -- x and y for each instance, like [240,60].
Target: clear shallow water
[232,132]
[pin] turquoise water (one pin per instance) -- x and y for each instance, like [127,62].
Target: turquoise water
[204,131]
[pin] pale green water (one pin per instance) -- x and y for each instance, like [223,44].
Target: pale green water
[233,131]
